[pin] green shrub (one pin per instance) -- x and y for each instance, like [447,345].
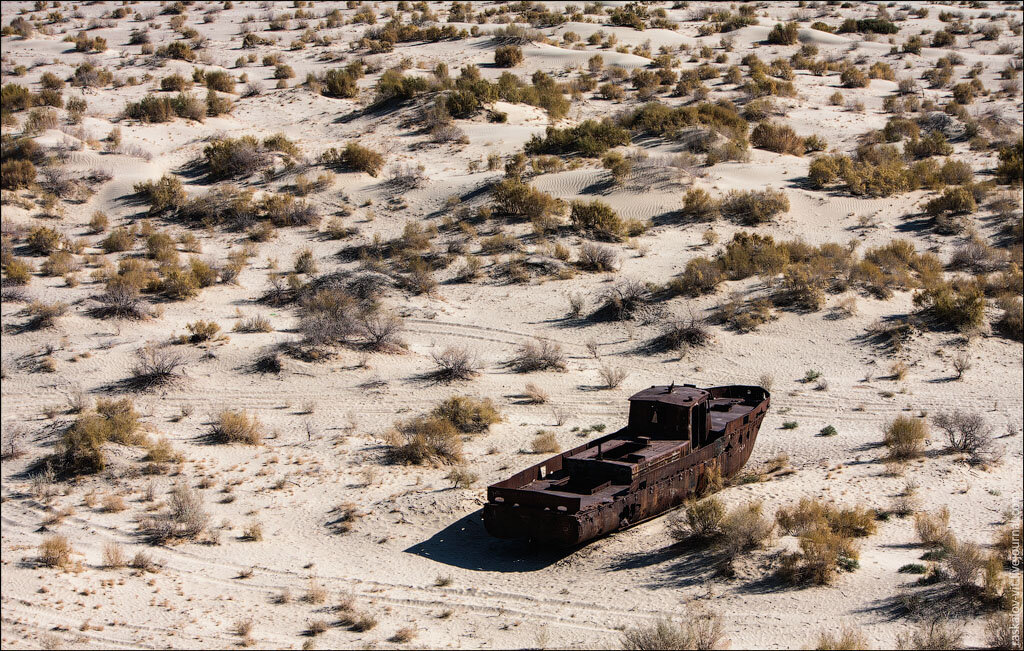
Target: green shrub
[17,271]
[508,56]
[1011,163]
[779,138]
[868,25]
[219,80]
[424,439]
[701,276]
[355,157]
[17,174]
[589,139]
[120,239]
[150,108]
[956,305]
[177,50]
[854,77]
[339,82]
[596,217]
[234,157]
[393,86]
[699,520]
[783,34]
[43,240]
[957,201]
[167,193]
[468,415]
[659,119]
[755,206]
[519,199]
[175,82]
[933,143]
[15,97]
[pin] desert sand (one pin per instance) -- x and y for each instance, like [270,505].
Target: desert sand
[415,556]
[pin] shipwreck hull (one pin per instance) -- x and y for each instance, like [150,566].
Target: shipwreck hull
[516,509]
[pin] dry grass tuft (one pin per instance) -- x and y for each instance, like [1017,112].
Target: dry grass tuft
[545,442]
[55,551]
[905,437]
[237,427]
[701,630]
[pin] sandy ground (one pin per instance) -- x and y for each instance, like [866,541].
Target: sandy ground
[328,418]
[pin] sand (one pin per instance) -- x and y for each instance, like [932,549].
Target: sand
[327,420]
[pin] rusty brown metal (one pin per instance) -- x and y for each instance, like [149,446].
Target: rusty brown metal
[674,437]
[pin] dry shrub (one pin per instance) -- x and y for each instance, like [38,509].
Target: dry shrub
[454,363]
[933,529]
[701,630]
[462,477]
[964,562]
[114,556]
[468,415]
[268,361]
[114,503]
[1007,539]
[535,395]
[258,323]
[809,513]
[237,427]
[381,330]
[936,634]
[744,528]
[424,439]
[905,437]
[623,301]
[155,367]
[594,257]
[848,638]
[754,207]
[200,331]
[538,355]
[185,518]
[612,376]
[44,315]
[699,204]
[823,553]
[235,157]
[143,561]
[1003,630]
[253,531]
[55,551]
[699,520]
[681,333]
[79,450]
[545,441]
[966,432]
[701,276]
[826,536]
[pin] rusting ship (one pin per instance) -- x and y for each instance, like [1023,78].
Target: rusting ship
[677,437]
